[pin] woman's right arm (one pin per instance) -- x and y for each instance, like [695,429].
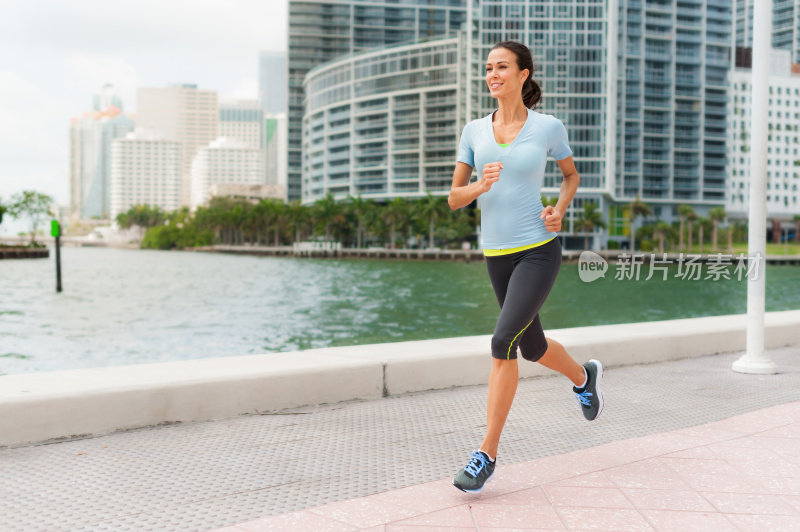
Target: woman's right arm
[462,192]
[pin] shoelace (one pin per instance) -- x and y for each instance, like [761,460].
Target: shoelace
[584,398]
[477,463]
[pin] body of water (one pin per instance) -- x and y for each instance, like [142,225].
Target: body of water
[136,306]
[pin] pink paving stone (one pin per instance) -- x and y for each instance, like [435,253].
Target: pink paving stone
[698,466]
[669,521]
[432,496]
[586,497]
[733,483]
[708,433]
[763,523]
[787,431]
[617,519]
[296,522]
[365,511]
[696,452]
[597,479]
[749,503]
[646,474]
[794,500]
[527,497]
[410,528]
[458,516]
[742,449]
[521,517]
[778,467]
[779,485]
[680,500]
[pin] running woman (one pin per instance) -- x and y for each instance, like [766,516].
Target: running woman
[523,252]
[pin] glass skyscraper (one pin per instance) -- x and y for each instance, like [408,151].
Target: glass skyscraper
[642,94]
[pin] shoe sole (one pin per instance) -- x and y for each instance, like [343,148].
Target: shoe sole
[477,490]
[599,377]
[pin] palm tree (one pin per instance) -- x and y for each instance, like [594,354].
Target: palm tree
[432,208]
[691,217]
[660,231]
[716,214]
[324,212]
[684,211]
[395,214]
[796,219]
[701,223]
[637,208]
[588,220]
[360,208]
[549,201]
[298,215]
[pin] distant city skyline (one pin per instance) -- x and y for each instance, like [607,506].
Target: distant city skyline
[51,67]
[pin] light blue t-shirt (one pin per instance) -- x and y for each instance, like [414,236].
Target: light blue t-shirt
[510,210]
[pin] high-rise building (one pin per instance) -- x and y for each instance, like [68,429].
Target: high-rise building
[242,120]
[649,123]
[275,149]
[273,81]
[90,156]
[107,97]
[185,114]
[783,154]
[785,25]
[146,169]
[384,124]
[225,161]
[320,31]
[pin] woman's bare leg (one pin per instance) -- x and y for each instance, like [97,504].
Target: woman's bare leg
[557,359]
[502,387]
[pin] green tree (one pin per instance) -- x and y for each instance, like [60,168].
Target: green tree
[395,215]
[432,208]
[589,220]
[637,208]
[716,214]
[323,214]
[32,205]
[687,214]
[361,210]
[142,216]
[796,219]
[300,217]
[3,210]
[660,231]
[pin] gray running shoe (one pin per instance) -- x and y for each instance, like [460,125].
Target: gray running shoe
[590,397]
[472,478]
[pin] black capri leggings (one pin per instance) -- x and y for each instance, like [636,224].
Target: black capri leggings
[521,282]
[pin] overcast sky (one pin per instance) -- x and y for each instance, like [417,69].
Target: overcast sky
[55,54]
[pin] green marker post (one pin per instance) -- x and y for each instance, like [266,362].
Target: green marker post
[55,231]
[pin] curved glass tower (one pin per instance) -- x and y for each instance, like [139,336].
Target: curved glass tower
[384,124]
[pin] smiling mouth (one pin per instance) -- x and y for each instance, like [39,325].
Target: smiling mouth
[495,85]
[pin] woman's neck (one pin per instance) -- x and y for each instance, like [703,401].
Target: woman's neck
[510,112]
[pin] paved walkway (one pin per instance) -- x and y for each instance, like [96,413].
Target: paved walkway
[742,473]
[396,456]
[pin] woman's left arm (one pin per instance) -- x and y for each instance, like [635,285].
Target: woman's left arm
[553,215]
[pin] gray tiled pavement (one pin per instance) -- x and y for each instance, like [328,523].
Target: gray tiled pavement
[200,476]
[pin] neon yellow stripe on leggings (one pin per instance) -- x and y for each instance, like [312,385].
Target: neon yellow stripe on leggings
[508,355]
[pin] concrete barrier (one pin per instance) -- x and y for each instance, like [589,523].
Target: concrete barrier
[38,407]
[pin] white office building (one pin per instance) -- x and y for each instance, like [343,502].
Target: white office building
[185,114]
[242,120]
[783,148]
[225,161]
[145,170]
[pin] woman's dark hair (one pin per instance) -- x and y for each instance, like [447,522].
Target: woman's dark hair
[531,91]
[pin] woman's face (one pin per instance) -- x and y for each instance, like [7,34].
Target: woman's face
[503,76]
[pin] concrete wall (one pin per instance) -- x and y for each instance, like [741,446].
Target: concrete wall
[43,406]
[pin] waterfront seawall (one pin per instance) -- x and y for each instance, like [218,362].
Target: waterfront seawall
[38,407]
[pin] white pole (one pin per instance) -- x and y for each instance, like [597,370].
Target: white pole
[755,359]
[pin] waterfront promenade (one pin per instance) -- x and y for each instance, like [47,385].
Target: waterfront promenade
[662,456]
